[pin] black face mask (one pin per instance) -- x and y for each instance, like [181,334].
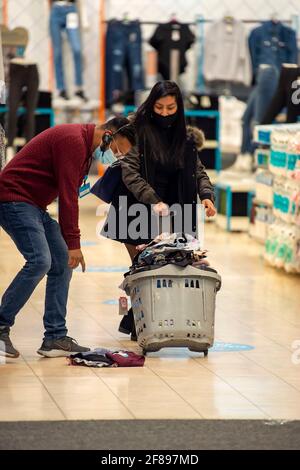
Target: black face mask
[164,121]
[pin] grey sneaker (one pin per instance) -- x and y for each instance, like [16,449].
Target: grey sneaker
[6,346]
[61,347]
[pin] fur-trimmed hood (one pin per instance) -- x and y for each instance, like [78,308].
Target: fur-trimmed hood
[197,135]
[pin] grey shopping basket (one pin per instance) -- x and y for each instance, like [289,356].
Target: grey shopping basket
[174,307]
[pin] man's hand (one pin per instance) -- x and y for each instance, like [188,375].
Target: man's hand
[161,209]
[76,258]
[210,208]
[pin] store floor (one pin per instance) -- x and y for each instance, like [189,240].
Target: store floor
[257,306]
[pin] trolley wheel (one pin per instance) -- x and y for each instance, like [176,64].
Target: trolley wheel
[205,352]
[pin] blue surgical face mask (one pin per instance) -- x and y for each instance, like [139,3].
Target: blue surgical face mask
[107,158]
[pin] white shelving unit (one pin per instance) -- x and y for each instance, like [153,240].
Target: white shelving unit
[277,214]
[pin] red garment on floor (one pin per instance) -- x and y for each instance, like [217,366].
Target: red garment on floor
[126,359]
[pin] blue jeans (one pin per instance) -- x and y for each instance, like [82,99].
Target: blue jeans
[38,238]
[58,24]
[123,52]
[258,103]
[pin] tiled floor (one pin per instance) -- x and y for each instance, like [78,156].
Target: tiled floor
[257,305]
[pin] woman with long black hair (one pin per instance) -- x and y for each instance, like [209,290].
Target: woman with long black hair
[163,169]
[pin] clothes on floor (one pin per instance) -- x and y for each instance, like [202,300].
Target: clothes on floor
[126,359]
[258,102]
[39,239]
[272,43]
[64,18]
[170,37]
[22,77]
[226,54]
[46,169]
[95,358]
[124,67]
[288,85]
[107,358]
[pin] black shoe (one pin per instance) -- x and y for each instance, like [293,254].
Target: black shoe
[6,346]
[127,323]
[80,94]
[63,95]
[61,347]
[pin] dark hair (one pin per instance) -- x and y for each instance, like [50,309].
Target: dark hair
[145,127]
[121,126]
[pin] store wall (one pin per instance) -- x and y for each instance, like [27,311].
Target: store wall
[34,14]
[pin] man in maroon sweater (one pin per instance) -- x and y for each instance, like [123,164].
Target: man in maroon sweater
[53,164]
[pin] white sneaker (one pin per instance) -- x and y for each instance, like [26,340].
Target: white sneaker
[243,164]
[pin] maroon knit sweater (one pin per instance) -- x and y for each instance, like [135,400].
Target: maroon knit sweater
[53,164]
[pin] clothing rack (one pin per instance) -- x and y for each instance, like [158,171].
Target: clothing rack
[194,23]
[200,22]
[294,22]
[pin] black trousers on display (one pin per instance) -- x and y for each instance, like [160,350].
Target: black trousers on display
[22,77]
[286,96]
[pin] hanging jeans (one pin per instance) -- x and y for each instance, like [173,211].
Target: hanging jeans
[59,24]
[22,76]
[123,52]
[286,96]
[38,238]
[258,102]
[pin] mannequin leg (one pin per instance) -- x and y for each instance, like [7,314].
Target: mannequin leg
[75,43]
[267,83]
[31,100]
[14,98]
[56,27]
[247,120]
[278,101]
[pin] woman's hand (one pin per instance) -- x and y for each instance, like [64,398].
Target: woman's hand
[161,209]
[210,208]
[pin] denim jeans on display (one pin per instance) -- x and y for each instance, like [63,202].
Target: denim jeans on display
[38,238]
[58,24]
[258,102]
[123,53]
[273,43]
